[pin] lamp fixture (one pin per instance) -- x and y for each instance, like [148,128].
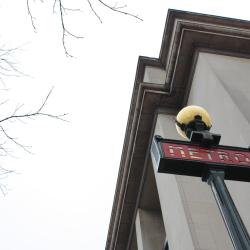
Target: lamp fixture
[193,123]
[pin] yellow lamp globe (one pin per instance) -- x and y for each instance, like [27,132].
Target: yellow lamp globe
[188,114]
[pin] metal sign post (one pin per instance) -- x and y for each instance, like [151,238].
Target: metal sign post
[213,165]
[231,217]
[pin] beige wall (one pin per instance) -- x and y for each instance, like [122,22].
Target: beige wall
[191,217]
[154,75]
[149,230]
[229,108]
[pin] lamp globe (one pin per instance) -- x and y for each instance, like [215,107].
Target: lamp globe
[192,118]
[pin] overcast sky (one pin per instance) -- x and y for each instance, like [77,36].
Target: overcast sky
[61,196]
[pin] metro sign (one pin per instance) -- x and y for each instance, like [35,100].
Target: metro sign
[185,158]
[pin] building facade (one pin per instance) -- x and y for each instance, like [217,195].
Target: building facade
[204,60]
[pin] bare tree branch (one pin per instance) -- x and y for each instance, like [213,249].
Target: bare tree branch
[38,112]
[93,10]
[7,63]
[65,31]
[118,9]
[18,116]
[14,140]
[3,175]
[32,18]
[59,7]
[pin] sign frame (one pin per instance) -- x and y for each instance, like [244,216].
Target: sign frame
[199,168]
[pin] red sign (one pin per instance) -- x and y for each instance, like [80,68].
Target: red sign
[185,158]
[211,155]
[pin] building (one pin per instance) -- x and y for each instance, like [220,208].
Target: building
[204,60]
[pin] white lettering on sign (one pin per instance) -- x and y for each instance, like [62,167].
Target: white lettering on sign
[224,156]
[216,155]
[179,148]
[209,154]
[194,154]
[242,158]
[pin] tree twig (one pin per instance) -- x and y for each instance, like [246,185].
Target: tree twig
[32,18]
[62,10]
[65,31]
[118,9]
[7,64]
[16,115]
[38,112]
[93,10]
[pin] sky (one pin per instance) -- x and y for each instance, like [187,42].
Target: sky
[61,194]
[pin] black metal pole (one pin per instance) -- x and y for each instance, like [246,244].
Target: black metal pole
[236,228]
